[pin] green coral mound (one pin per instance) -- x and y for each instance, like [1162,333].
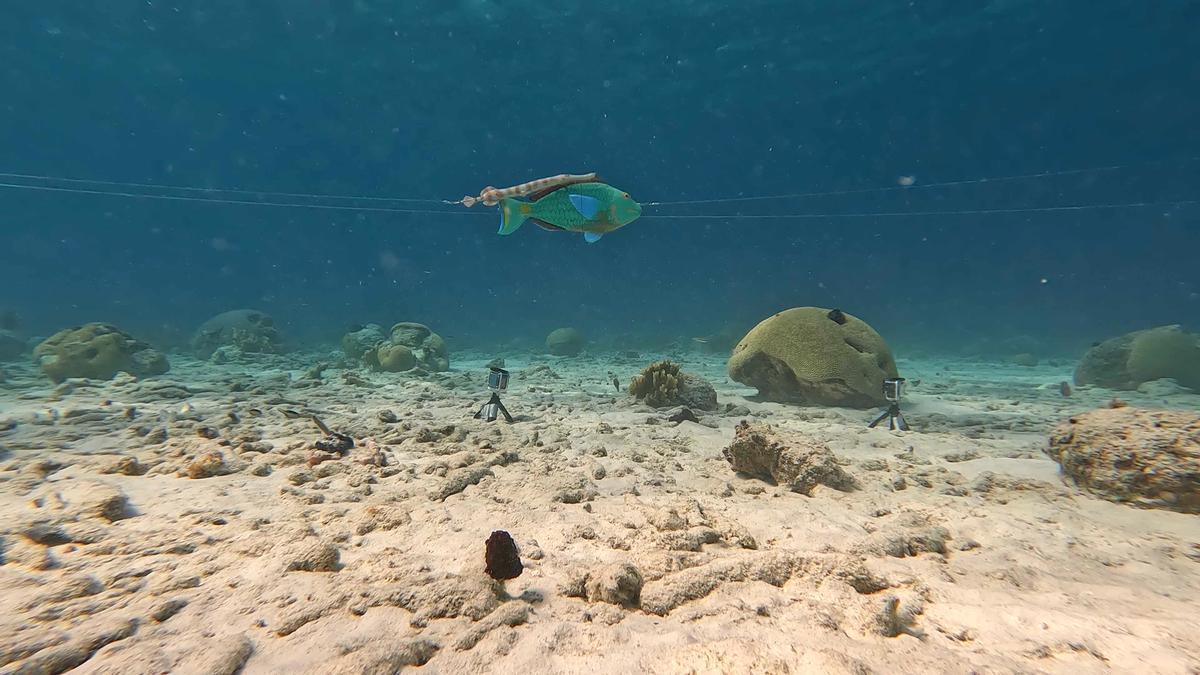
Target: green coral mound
[565,342]
[1128,361]
[657,385]
[814,356]
[427,347]
[97,351]
[394,358]
[406,346]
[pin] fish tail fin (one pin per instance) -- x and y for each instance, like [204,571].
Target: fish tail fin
[513,214]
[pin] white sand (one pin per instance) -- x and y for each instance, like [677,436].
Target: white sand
[1036,576]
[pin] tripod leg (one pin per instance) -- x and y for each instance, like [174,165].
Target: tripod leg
[504,411]
[900,422]
[879,419]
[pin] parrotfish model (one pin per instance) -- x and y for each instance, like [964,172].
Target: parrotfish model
[566,202]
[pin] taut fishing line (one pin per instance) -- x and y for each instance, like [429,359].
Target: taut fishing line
[131,190]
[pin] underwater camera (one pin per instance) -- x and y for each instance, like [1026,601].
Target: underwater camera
[497,382]
[497,379]
[893,389]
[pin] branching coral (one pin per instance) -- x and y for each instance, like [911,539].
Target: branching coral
[658,384]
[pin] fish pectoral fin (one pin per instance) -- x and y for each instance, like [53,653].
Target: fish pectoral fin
[592,237]
[587,206]
[545,226]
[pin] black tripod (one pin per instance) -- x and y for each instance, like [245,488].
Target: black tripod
[488,412]
[896,421]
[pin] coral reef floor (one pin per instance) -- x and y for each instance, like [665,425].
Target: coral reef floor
[185,524]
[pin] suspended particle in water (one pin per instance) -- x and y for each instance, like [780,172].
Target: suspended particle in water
[906,181]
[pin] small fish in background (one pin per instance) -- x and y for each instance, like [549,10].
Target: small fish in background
[701,340]
[906,181]
[613,379]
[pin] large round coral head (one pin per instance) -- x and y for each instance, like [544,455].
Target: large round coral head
[814,356]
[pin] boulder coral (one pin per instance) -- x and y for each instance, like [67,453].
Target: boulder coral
[1146,458]
[565,342]
[812,355]
[427,347]
[362,340]
[1128,361]
[406,346]
[97,351]
[394,358]
[249,330]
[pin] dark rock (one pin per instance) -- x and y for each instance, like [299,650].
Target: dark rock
[502,557]
[682,414]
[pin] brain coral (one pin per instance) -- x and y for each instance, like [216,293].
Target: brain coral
[1130,360]
[97,351]
[565,342]
[395,358]
[815,356]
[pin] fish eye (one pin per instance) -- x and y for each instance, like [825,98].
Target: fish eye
[626,195]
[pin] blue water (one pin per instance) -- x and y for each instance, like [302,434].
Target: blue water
[670,100]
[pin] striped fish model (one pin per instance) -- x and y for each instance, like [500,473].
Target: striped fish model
[570,203]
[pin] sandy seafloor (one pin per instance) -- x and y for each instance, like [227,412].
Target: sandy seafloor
[142,569]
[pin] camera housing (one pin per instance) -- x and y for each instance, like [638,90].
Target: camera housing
[497,379]
[893,389]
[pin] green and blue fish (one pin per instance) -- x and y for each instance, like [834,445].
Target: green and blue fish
[593,208]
